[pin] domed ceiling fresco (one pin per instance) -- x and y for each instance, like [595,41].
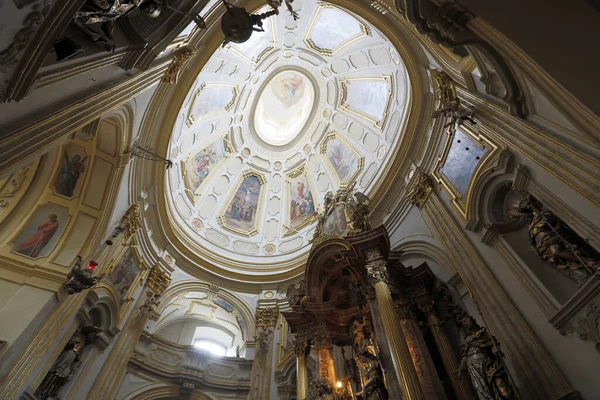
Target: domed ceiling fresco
[271,125]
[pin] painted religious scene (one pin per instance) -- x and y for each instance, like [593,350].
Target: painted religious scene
[336,223]
[302,206]
[241,211]
[124,274]
[284,107]
[198,166]
[42,231]
[68,180]
[344,161]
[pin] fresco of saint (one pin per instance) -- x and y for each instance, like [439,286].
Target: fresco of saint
[123,274]
[343,160]
[70,170]
[302,205]
[33,245]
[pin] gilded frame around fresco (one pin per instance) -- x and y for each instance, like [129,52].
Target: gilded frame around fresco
[56,249]
[490,160]
[259,207]
[190,120]
[303,169]
[365,31]
[86,173]
[323,152]
[344,93]
[228,151]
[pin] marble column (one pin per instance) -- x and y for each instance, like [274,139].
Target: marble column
[403,365]
[430,381]
[460,386]
[301,348]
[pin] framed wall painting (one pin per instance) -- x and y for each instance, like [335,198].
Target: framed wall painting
[70,175]
[42,231]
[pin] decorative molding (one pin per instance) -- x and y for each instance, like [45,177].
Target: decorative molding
[180,57]
[581,314]
[158,279]
[420,190]
[267,316]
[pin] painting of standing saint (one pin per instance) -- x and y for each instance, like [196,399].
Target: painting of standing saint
[69,177]
[344,161]
[198,166]
[302,205]
[241,212]
[42,231]
[123,274]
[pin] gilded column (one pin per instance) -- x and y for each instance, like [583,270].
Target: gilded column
[324,346]
[430,383]
[378,278]
[460,386]
[301,348]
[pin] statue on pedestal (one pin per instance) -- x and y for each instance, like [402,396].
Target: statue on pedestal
[556,243]
[67,362]
[373,382]
[482,359]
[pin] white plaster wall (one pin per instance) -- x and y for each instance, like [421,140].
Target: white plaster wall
[19,305]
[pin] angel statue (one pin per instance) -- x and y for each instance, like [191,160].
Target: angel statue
[372,376]
[457,114]
[359,212]
[482,358]
[295,293]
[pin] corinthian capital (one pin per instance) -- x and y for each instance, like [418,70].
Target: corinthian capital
[301,347]
[266,316]
[377,272]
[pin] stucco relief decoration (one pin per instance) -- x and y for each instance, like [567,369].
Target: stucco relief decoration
[9,56]
[165,357]
[11,185]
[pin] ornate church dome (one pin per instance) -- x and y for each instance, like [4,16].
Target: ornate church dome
[271,125]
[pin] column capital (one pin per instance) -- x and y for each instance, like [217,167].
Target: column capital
[420,191]
[377,272]
[266,316]
[158,279]
[322,338]
[301,347]
[403,310]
